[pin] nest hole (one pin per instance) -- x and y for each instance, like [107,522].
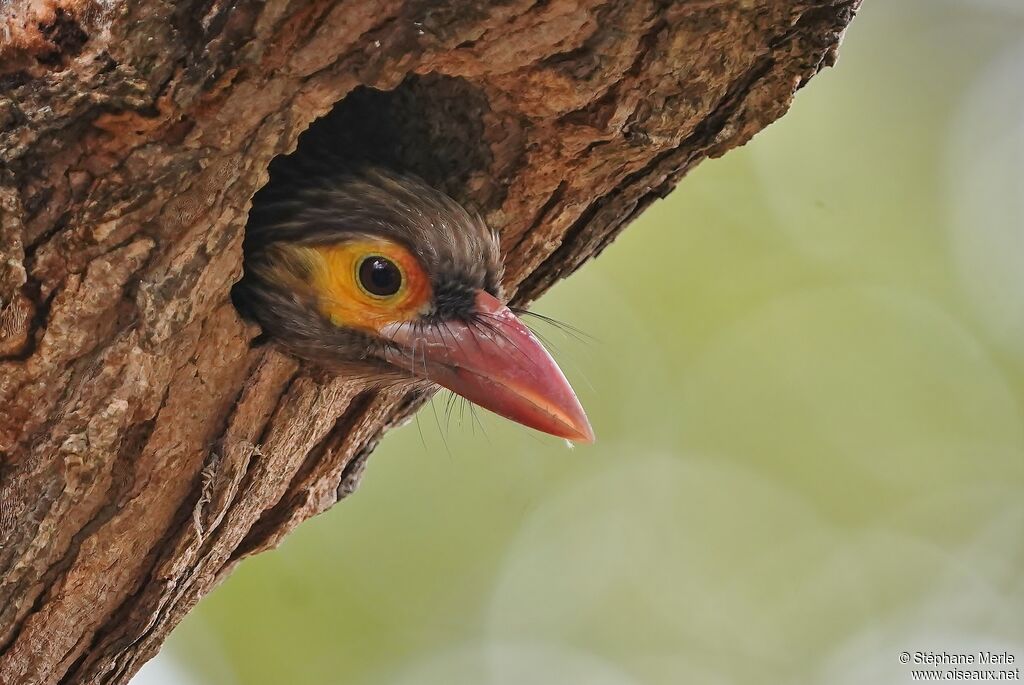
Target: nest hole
[431,126]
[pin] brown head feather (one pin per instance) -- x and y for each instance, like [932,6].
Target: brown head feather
[456,249]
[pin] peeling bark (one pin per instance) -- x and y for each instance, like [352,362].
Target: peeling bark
[146,445]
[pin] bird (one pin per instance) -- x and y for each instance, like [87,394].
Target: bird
[379,275]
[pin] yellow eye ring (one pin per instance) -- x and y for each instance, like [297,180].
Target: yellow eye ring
[379,277]
[334,274]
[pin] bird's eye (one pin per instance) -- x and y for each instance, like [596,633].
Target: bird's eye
[379,276]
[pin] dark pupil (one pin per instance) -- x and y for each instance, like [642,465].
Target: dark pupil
[380,276]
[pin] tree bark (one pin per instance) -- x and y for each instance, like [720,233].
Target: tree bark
[146,444]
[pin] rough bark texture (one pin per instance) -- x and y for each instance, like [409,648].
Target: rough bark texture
[146,445]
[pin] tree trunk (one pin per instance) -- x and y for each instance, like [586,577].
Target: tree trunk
[146,444]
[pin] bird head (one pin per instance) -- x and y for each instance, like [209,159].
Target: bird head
[386,277]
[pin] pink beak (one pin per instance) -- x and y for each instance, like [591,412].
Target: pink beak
[495,362]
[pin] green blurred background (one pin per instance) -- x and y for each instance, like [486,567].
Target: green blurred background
[807,378]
